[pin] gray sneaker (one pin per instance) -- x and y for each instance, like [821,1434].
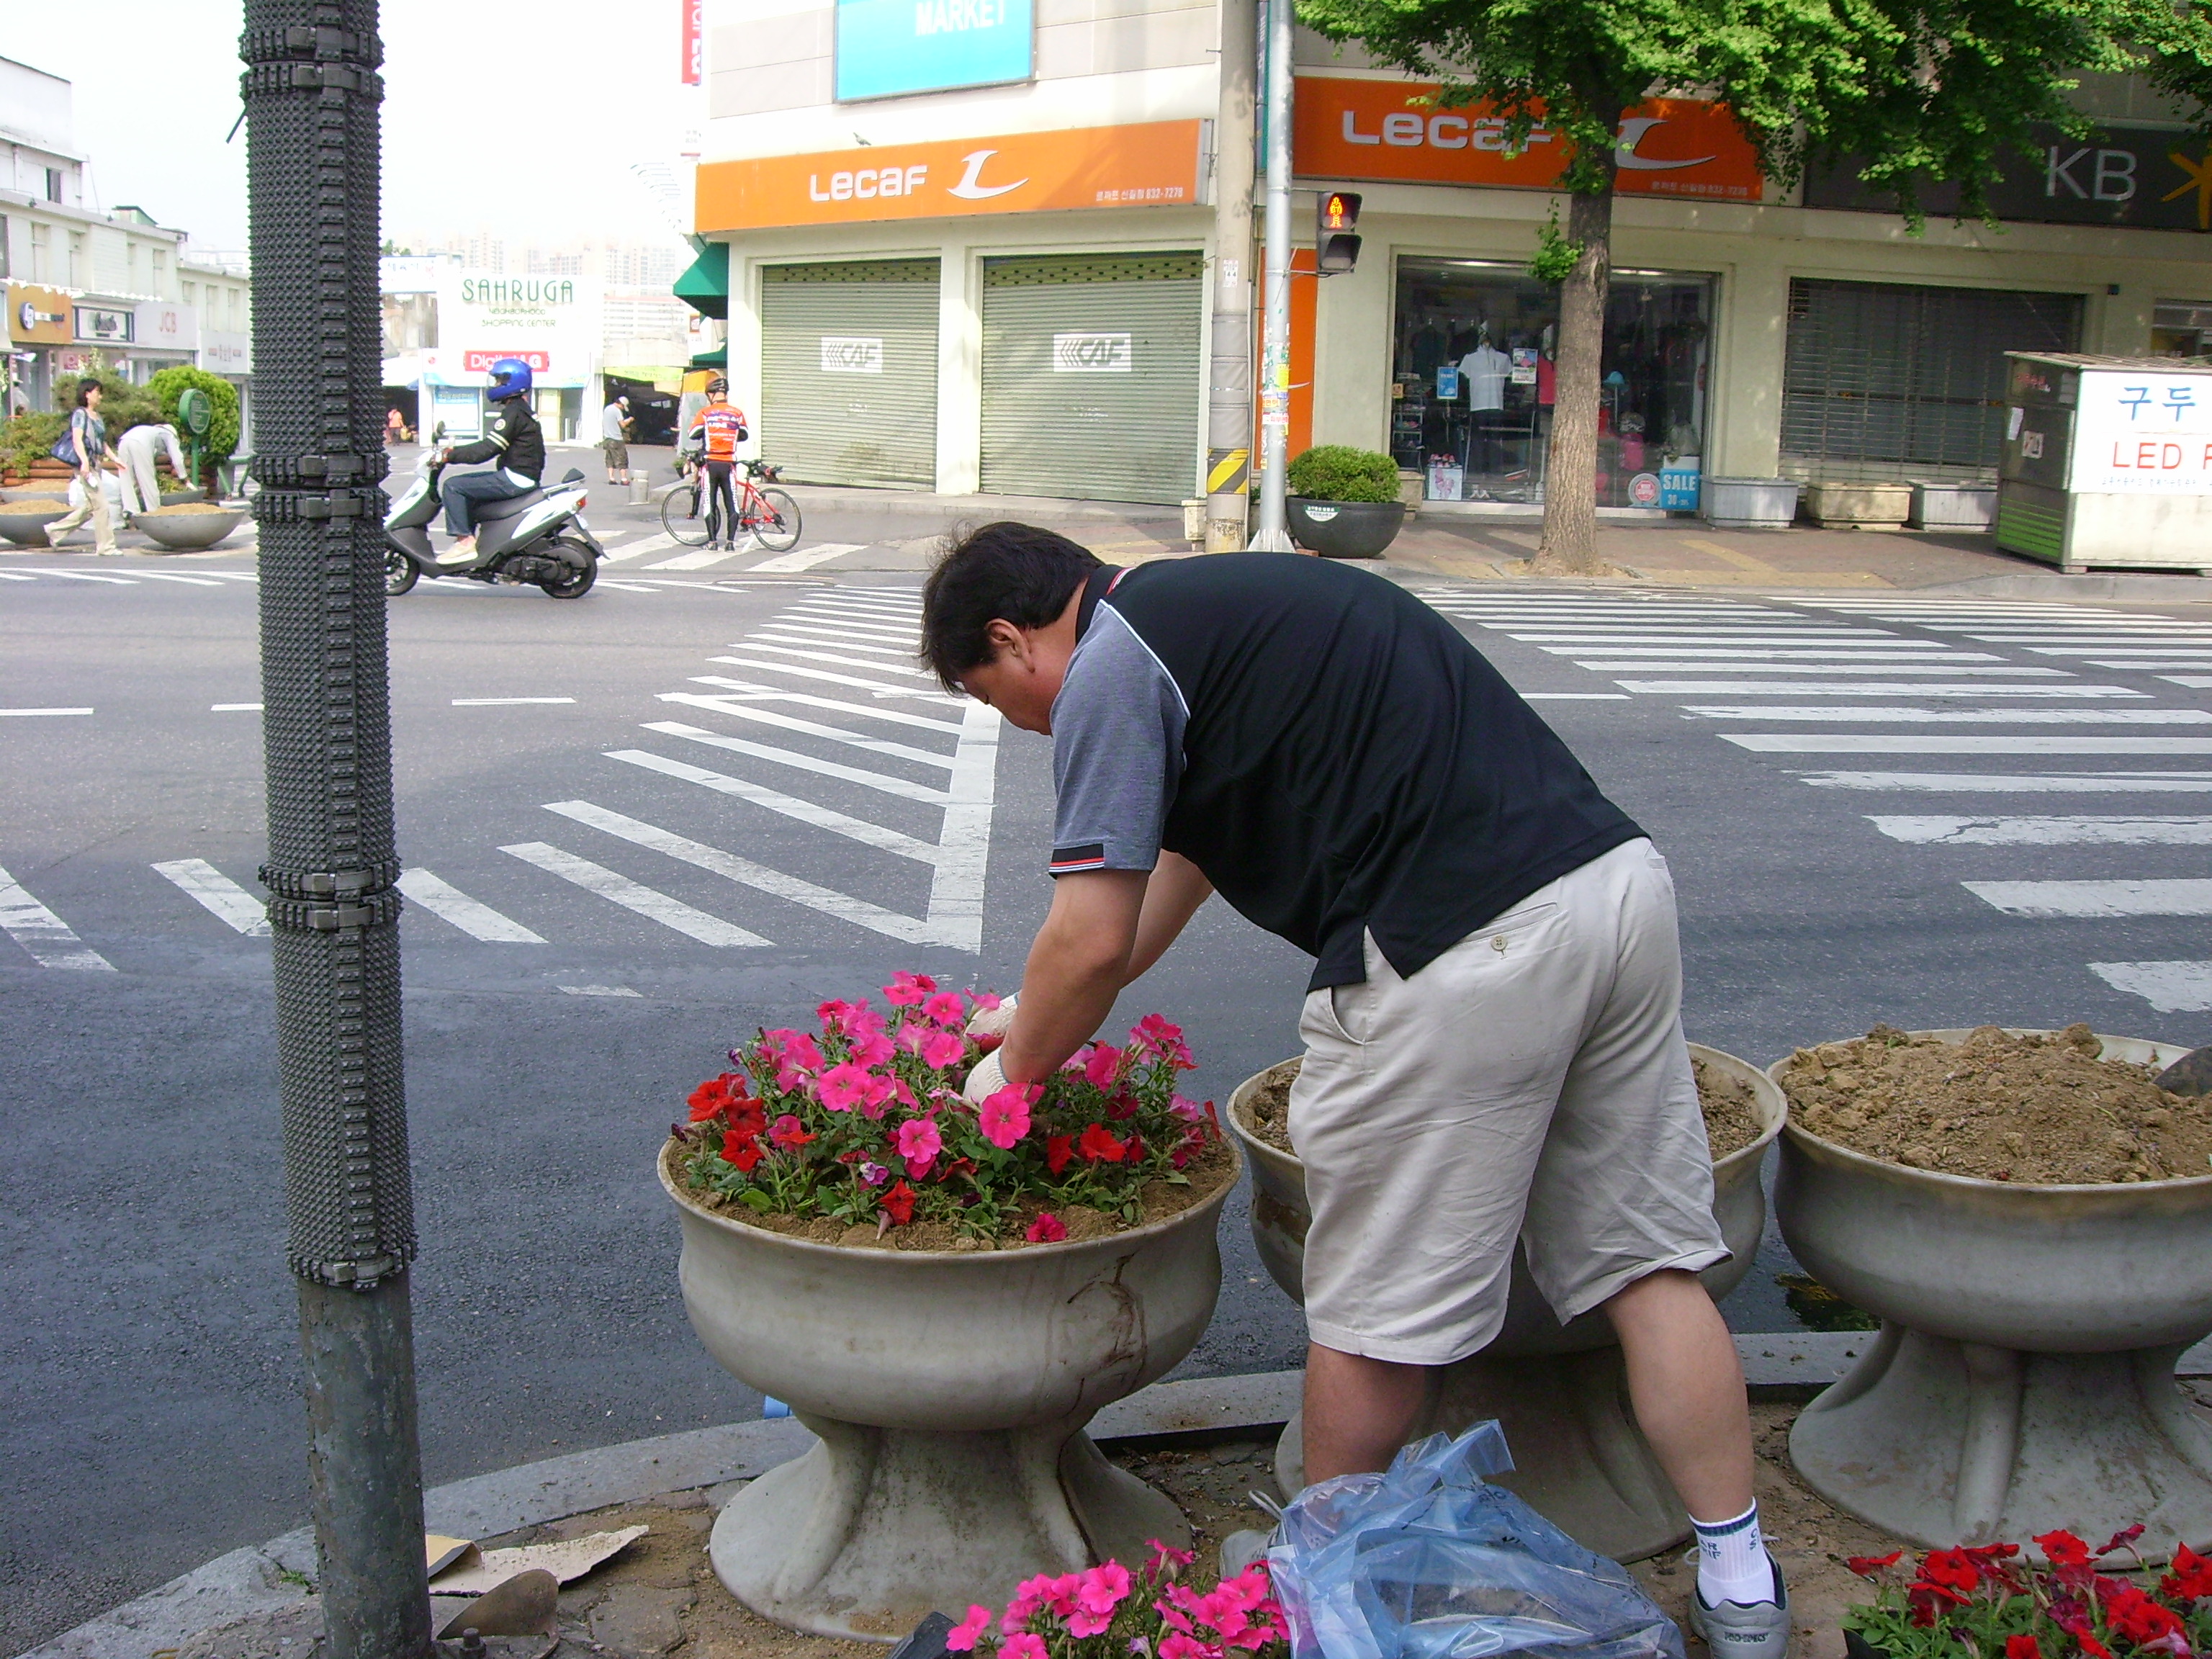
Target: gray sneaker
[1735,1630]
[1241,1549]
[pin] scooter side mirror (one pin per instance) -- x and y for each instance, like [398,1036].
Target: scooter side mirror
[572,477]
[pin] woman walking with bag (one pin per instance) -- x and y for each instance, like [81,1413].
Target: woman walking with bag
[86,444]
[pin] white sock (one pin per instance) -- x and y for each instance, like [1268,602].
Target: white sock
[1732,1561]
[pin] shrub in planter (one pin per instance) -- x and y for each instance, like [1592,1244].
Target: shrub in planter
[1338,472]
[1343,502]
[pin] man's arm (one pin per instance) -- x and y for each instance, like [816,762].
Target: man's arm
[1172,896]
[1078,965]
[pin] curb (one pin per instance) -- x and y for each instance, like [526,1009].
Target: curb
[2139,588]
[252,1580]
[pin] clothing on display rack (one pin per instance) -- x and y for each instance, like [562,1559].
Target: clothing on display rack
[1484,369]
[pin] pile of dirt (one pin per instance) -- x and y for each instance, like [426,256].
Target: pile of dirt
[183,507]
[2034,1110]
[1731,1109]
[1204,1175]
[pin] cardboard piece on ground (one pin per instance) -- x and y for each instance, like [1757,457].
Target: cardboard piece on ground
[569,1560]
[442,1551]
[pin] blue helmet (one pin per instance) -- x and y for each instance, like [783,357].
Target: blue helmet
[510,378]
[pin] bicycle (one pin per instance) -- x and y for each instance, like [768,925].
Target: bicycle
[770,515]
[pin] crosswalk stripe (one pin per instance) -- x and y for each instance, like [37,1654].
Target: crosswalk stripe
[750,690]
[33,713]
[448,904]
[787,633]
[87,576]
[2095,900]
[846,604]
[601,991]
[2170,987]
[1871,742]
[805,558]
[1959,716]
[2194,682]
[51,941]
[1646,637]
[744,872]
[871,621]
[1924,670]
[2153,664]
[1888,689]
[2087,831]
[2109,647]
[1588,656]
[171,576]
[2034,783]
[632,895]
[877,686]
[16,576]
[638,550]
[792,758]
[757,643]
[811,728]
[806,812]
[224,898]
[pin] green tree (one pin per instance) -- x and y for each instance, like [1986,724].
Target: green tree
[1932,91]
[167,386]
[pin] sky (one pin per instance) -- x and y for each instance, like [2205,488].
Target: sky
[522,119]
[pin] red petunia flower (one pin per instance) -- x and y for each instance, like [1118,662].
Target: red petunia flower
[2022,1647]
[708,1099]
[1951,1569]
[788,1133]
[1057,1148]
[2124,1539]
[2192,1577]
[1047,1229]
[741,1150]
[898,1204]
[1098,1144]
[2063,1549]
[1867,1565]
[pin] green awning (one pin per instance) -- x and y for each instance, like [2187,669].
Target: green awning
[705,286]
[718,358]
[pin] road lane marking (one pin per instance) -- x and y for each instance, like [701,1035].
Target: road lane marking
[33,713]
[171,576]
[880,623]
[785,633]
[651,543]
[2170,987]
[792,758]
[756,644]
[1883,689]
[1575,696]
[632,895]
[501,702]
[87,576]
[805,558]
[224,898]
[876,686]
[2103,830]
[2033,783]
[1583,653]
[601,991]
[1871,742]
[2194,682]
[51,941]
[16,576]
[233,708]
[448,904]
[811,728]
[753,691]
[1960,716]
[806,812]
[1920,668]
[2095,900]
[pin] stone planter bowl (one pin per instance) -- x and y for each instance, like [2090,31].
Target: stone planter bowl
[1748,503]
[1558,1389]
[950,1391]
[26,525]
[187,532]
[29,495]
[2024,1375]
[1847,505]
[1344,530]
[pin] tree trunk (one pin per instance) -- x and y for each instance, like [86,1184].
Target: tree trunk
[1570,544]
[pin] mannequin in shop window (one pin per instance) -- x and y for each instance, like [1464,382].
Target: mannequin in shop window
[1484,370]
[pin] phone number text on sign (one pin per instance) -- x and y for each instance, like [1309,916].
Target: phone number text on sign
[2143,433]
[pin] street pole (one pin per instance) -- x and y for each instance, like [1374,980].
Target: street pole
[311,94]
[1229,395]
[1272,535]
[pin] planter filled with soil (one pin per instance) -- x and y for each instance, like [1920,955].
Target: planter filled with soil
[188,524]
[1559,1390]
[2030,1216]
[945,1304]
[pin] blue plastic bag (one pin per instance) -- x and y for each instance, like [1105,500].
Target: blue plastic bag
[1429,1561]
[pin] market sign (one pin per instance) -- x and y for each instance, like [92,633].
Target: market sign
[2149,178]
[104,324]
[38,315]
[1351,128]
[886,48]
[164,325]
[1154,164]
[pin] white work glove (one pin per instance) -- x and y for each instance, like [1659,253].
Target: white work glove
[987,1078]
[995,1022]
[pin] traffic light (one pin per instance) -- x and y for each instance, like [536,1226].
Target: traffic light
[1336,241]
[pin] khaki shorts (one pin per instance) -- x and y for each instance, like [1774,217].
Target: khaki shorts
[1531,1083]
[617,452]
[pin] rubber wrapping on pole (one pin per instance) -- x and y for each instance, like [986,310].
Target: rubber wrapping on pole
[311,92]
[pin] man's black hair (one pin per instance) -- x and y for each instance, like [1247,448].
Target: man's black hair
[85,388]
[1008,572]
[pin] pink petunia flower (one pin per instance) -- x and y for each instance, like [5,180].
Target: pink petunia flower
[843,1086]
[912,1033]
[942,1048]
[1189,1110]
[1004,1117]
[917,1138]
[1179,1646]
[876,1095]
[961,1639]
[945,1008]
[985,999]
[1047,1229]
[1101,1065]
[903,1095]
[1022,1644]
[1155,1034]
[874,1049]
[907,990]
[1102,1589]
[786,1133]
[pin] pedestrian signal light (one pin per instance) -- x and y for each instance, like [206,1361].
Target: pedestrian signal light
[1336,241]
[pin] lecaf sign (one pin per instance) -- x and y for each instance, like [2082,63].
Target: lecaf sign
[1154,164]
[1348,128]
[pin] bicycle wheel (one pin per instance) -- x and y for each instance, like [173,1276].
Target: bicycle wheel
[679,516]
[772,516]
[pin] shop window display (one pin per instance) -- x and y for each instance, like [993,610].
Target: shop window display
[1474,383]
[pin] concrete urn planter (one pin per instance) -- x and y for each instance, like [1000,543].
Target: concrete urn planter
[1344,530]
[1560,1391]
[1848,505]
[187,532]
[25,524]
[950,1391]
[2023,1379]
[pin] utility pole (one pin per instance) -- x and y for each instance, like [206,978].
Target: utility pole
[1272,534]
[1229,395]
[312,92]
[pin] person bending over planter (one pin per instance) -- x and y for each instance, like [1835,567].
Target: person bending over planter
[1493,1036]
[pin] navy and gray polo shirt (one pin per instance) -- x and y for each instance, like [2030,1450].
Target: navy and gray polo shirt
[1332,753]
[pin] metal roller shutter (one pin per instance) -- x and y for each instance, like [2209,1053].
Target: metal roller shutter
[1885,381]
[848,371]
[1091,376]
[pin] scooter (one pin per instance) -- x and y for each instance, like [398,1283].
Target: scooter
[538,536]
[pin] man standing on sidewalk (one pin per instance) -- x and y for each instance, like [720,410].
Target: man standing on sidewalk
[88,436]
[1493,1030]
[614,439]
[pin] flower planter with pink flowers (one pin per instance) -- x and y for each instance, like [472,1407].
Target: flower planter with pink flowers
[1559,1391]
[946,1294]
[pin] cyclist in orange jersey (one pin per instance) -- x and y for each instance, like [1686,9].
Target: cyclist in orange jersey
[716,431]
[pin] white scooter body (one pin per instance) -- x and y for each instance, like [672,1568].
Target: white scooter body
[539,537]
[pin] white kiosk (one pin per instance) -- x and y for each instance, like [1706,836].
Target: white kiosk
[2107,462]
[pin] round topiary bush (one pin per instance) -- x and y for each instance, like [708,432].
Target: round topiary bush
[1338,472]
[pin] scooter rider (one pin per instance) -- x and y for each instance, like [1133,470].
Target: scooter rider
[515,440]
[716,432]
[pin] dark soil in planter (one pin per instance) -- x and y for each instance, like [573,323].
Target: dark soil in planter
[2036,1110]
[1207,1173]
[1731,1115]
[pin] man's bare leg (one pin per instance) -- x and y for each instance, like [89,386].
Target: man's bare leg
[1358,1411]
[1687,1387]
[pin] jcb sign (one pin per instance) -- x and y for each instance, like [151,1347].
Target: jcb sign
[851,354]
[1093,353]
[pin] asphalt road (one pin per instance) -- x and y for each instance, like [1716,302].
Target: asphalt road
[632,837]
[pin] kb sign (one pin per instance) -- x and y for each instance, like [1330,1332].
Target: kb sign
[2146,177]
[1093,353]
[851,354]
